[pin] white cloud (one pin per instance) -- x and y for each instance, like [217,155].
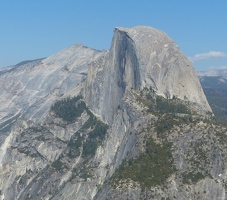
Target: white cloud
[211,54]
[217,67]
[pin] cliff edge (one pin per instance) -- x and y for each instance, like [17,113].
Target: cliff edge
[142,57]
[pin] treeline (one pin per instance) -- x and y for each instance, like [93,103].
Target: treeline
[170,106]
[160,105]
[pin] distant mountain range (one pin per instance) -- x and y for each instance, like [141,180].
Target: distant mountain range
[213,72]
[214,83]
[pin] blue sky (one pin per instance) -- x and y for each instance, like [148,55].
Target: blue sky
[33,29]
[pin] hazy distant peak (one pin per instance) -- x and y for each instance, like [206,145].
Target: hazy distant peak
[213,72]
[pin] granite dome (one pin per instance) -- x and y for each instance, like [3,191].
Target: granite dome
[142,57]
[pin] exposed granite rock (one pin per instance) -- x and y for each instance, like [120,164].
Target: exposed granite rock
[43,156]
[30,89]
[141,57]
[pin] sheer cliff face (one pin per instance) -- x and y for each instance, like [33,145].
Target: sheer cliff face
[109,78]
[142,57]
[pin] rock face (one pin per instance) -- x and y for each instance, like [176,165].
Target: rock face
[142,57]
[29,90]
[164,67]
[128,104]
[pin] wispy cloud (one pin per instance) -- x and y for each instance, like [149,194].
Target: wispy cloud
[211,54]
[217,67]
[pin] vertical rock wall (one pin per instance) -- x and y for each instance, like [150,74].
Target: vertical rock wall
[110,77]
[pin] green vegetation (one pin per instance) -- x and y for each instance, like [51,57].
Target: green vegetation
[85,173]
[201,154]
[57,164]
[97,132]
[160,105]
[69,109]
[92,133]
[91,122]
[170,106]
[222,137]
[165,124]
[192,177]
[95,137]
[27,152]
[151,168]
[169,121]
[75,144]
[170,111]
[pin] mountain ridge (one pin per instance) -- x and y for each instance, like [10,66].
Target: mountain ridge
[85,123]
[213,72]
[214,84]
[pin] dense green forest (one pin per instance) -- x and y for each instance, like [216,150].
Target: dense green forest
[69,108]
